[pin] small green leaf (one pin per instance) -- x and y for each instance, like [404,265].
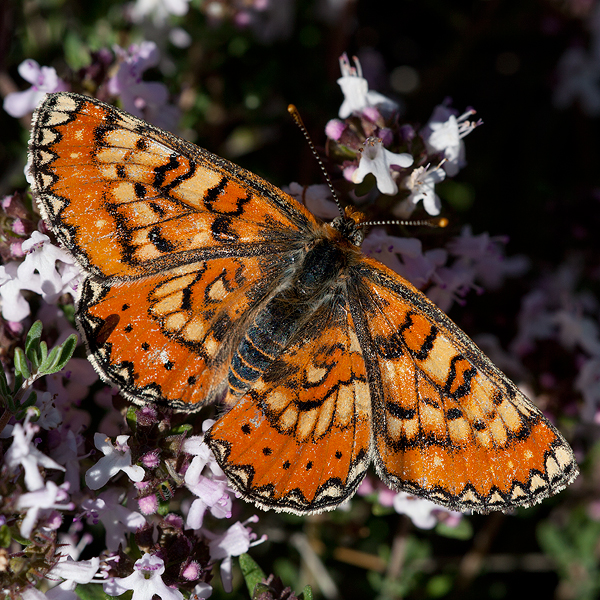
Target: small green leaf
[21,366]
[252,573]
[307,593]
[33,337]
[43,352]
[59,356]
[67,348]
[32,345]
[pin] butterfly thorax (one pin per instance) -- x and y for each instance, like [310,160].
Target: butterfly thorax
[288,312]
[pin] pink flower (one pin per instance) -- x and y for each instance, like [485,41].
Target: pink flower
[44,80]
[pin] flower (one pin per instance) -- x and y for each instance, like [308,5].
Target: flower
[116,458]
[47,270]
[23,453]
[51,496]
[73,572]
[145,99]
[421,183]
[423,513]
[317,198]
[355,88]
[444,135]
[377,160]
[213,492]
[44,80]
[405,256]
[237,540]
[116,518]
[145,581]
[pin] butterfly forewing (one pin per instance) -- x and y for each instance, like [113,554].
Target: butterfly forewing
[449,425]
[127,198]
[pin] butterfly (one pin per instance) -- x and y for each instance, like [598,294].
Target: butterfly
[204,283]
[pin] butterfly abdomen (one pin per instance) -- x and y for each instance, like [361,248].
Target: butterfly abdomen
[286,314]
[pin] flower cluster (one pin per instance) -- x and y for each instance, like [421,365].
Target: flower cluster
[405,162]
[115,75]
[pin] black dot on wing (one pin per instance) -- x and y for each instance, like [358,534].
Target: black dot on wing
[169,365]
[141,144]
[128,328]
[246,428]
[338,454]
[309,465]
[286,465]
[145,346]
[191,380]
[267,451]
[125,307]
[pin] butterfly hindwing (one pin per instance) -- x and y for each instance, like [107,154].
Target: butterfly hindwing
[300,439]
[448,424]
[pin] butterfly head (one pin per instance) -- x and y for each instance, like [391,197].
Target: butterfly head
[351,225]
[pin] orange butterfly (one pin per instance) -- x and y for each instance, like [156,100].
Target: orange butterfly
[207,283]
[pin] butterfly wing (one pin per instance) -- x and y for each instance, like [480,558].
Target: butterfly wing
[448,425]
[182,246]
[300,439]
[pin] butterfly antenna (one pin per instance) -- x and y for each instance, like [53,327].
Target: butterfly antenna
[298,120]
[437,222]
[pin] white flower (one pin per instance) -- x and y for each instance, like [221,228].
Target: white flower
[73,572]
[237,540]
[23,452]
[116,518]
[317,198]
[356,90]
[421,183]
[116,458]
[423,513]
[377,160]
[145,581]
[49,497]
[444,135]
[47,270]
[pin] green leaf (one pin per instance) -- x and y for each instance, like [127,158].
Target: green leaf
[306,594]
[59,356]
[33,337]
[32,345]
[252,573]
[21,366]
